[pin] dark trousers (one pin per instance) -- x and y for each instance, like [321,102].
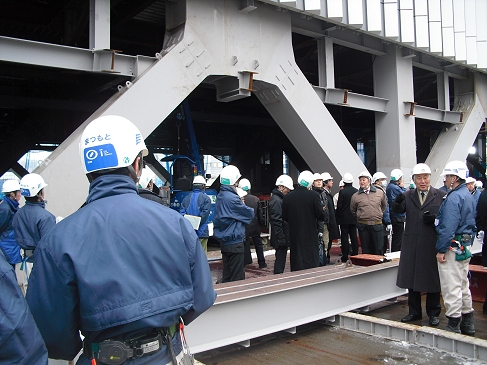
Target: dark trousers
[371,238]
[484,251]
[233,262]
[397,232]
[280,263]
[259,248]
[348,230]
[433,306]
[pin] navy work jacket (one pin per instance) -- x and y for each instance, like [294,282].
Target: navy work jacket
[118,267]
[10,248]
[455,217]
[198,204]
[31,223]
[231,216]
[20,340]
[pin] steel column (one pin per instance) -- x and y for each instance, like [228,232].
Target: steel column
[395,132]
[99,24]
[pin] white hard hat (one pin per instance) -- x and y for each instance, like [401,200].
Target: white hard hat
[244,184]
[470,180]
[286,181]
[421,168]
[10,185]
[326,176]
[365,174]
[110,142]
[378,175]
[31,184]
[341,183]
[396,175]
[241,192]
[199,180]
[229,175]
[479,184]
[457,168]
[146,177]
[305,178]
[317,176]
[347,178]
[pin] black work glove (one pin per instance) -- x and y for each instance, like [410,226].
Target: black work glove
[400,198]
[428,218]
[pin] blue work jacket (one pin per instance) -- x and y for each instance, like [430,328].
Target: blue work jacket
[118,267]
[455,217]
[8,244]
[392,191]
[20,340]
[476,195]
[231,216]
[198,204]
[31,223]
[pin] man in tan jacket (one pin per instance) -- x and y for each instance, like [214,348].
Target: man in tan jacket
[369,204]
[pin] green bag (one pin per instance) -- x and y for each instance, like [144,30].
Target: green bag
[466,254]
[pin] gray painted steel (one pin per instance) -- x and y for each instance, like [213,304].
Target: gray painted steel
[291,300]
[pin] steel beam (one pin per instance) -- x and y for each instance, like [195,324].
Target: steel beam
[302,297]
[346,98]
[428,113]
[454,141]
[457,344]
[71,58]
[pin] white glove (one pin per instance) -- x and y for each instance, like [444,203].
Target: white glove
[389,228]
[480,236]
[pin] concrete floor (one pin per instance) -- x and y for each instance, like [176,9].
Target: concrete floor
[319,343]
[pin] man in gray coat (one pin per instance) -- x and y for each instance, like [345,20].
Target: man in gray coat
[418,270]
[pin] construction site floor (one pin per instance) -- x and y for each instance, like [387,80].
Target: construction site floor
[321,343]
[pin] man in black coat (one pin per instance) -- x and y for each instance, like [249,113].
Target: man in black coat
[333,232]
[345,218]
[418,270]
[279,227]
[322,225]
[301,209]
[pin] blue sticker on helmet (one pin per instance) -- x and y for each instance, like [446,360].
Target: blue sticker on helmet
[100,157]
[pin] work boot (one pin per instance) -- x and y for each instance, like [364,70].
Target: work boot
[453,324]
[466,326]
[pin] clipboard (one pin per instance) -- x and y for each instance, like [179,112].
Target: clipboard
[194,220]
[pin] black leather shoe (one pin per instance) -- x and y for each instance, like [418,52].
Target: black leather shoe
[411,318]
[263,266]
[434,321]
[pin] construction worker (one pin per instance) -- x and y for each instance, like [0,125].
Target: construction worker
[122,270]
[279,227]
[345,218]
[369,204]
[252,230]
[32,222]
[21,342]
[470,182]
[8,207]
[418,271]
[455,225]
[198,204]
[396,187]
[231,216]
[301,208]
[323,233]
[379,179]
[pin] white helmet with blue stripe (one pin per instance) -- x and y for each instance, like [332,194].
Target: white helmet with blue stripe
[110,142]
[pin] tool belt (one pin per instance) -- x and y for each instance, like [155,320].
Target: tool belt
[114,352]
[458,246]
[369,223]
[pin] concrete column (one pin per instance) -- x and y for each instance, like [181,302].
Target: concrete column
[443,87]
[99,24]
[394,132]
[326,65]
